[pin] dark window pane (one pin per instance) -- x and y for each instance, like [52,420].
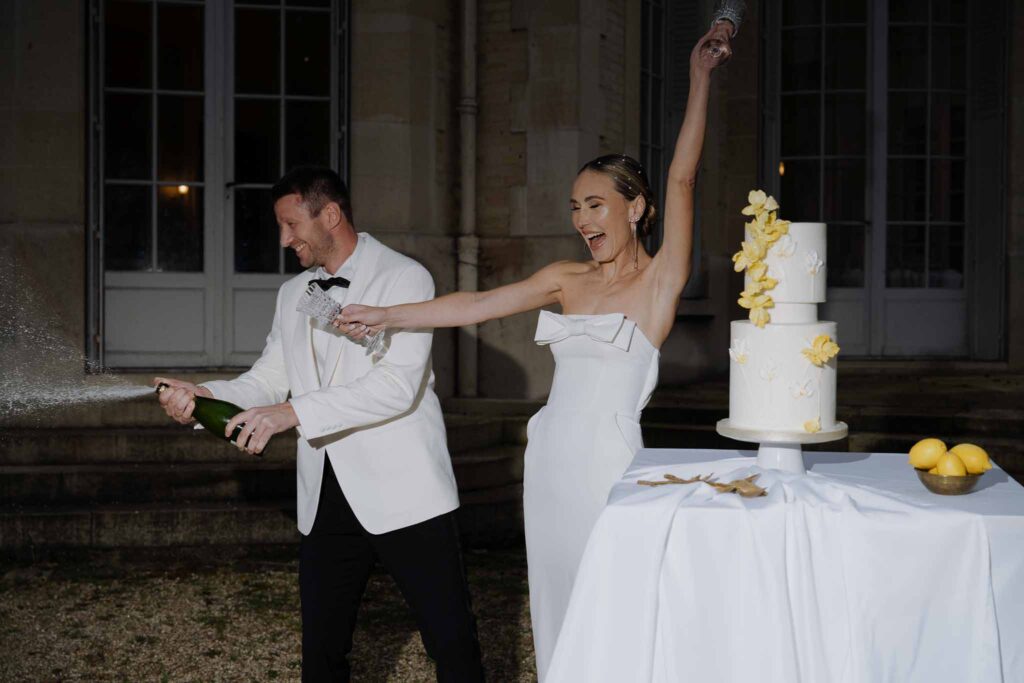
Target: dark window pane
[308,3]
[308,134]
[257,141]
[795,12]
[844,190]
[845,11]
[657,110]
[947,196]
[801,59]
[948,124]
[800,125]
[129,36]
[127,227]
[257,246]
[845,58]
[180,48]
[127,136]
[257,51]
[845,256]
[657,31]
[845,120]
[906,191]
[645,109]
[949,11]
[180,137]
[908,56]
[904,254]
[908,123]
[179,228]
[908,10]
[307,53]
[949,58]
[800,191]
[946,256]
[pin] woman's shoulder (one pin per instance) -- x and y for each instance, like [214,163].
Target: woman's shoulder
[569,268]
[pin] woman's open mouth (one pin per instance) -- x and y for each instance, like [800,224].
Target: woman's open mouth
[595,240]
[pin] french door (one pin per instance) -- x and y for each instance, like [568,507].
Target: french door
[199,107]
[885,121]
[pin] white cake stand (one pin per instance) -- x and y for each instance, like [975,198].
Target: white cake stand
[781,450]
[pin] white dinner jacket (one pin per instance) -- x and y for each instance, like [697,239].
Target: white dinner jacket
[380,424]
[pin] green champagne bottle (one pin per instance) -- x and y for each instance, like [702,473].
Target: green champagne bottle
[213,414]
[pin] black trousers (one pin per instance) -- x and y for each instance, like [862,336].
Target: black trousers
[425,560]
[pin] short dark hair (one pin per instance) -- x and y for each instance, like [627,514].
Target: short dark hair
[318,186]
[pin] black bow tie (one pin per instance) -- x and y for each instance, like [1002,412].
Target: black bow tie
[329,282]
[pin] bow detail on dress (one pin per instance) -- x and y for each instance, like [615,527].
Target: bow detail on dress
[611,328]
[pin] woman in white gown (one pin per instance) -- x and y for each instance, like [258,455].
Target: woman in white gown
[619,307]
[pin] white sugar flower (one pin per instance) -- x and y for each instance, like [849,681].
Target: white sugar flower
[785,247]
[738,351]
[769,370]
[801,390]
[813,263]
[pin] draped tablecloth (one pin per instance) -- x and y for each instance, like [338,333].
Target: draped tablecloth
[854,572]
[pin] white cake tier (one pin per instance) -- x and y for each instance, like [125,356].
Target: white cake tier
[773,386]
[797,260]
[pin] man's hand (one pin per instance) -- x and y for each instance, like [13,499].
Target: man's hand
[177,398]
[261,424]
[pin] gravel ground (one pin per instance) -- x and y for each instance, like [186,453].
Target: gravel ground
[229,621]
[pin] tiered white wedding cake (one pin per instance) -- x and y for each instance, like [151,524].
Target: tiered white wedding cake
[782,371]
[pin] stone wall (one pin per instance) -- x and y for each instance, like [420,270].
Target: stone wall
[42,159]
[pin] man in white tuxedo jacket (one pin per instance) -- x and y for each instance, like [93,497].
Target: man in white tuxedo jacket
[374,474]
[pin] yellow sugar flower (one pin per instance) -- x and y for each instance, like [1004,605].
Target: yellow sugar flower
[759,202]
[774,229]
[759,317]
[751,252]
[761,285]
[757,270]
[821,350]
[813,426]
[749,299]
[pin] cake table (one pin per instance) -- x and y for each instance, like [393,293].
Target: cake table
[850,572]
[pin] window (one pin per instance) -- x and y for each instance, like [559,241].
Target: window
[153,136]
[823,127]
[197,109]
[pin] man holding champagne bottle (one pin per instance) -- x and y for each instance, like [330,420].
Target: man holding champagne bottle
[373,471]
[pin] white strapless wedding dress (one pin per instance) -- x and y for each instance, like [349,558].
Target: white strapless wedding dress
[579,444]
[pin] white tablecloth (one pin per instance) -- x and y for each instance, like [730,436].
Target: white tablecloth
[854,573]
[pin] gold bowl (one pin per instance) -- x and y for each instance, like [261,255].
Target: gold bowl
[946,485]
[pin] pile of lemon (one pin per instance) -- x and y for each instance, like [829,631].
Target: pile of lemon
[959,461]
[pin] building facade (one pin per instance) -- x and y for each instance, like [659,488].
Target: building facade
[140,137]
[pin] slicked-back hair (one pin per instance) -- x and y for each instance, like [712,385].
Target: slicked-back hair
[318,186]
[630,181]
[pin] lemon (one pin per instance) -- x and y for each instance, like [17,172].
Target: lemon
[934,470]
[974,457]
[950,465]
[925,453]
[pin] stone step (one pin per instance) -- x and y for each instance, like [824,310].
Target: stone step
[170,443]
[248,480]
[492,519]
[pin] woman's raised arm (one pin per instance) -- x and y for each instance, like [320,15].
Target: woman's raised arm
[672,262]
